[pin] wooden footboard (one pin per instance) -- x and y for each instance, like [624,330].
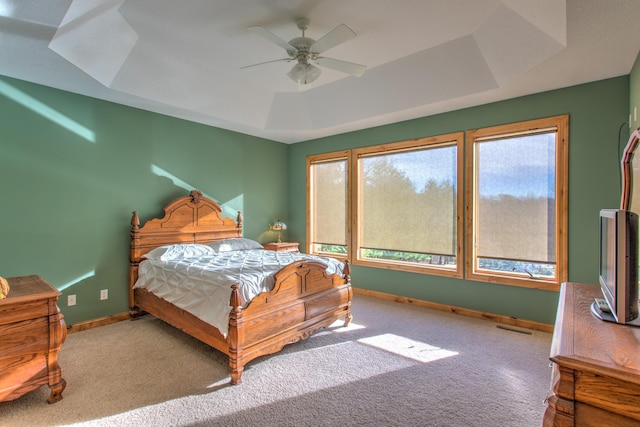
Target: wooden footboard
[303,300]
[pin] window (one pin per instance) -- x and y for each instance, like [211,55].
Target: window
[402,205]
[406,199]
[517,203]
[405,203]
[327,203]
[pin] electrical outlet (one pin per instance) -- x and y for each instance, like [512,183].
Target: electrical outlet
[71,300]
[104,294]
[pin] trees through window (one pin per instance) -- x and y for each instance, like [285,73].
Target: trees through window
[517,200]
[407,205]
[328,203]
[402,205]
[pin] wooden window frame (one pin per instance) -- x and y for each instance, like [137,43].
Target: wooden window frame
[561,124]
[325,158]
[453,139]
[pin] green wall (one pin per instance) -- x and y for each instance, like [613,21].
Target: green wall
[74,168]
[597,111]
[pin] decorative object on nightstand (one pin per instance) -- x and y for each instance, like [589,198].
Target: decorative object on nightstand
[4,288]
[282,246]
[278,226]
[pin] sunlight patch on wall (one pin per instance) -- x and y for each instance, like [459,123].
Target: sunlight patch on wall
[406,347]
[176,181]
[230,208]
[77,280]
[46,111]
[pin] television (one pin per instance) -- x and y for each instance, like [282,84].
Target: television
[618,268]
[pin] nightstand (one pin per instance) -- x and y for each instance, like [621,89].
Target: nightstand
[282,247]
[32,331]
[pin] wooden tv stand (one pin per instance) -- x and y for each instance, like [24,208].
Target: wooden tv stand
[596,369]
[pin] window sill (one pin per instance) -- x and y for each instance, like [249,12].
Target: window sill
[522,282]
[412,268]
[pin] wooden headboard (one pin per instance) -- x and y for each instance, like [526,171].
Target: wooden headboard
[189,219]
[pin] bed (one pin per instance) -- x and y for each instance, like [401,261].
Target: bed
[300,298]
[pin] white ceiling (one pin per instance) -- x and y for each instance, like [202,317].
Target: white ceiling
[185,58]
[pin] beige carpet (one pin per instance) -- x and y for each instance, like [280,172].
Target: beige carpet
[395,365]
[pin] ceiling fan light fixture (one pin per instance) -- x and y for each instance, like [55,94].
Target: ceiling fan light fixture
[303,74]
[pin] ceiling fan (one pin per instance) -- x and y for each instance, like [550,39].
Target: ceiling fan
[307,51]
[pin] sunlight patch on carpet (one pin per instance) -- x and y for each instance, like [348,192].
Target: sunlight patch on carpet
[338,327]
[220,383]
[513,380]
[406,347]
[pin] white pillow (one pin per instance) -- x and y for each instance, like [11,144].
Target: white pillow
[234,244]
[185,250]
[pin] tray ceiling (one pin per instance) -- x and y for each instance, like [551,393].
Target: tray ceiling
[423,57]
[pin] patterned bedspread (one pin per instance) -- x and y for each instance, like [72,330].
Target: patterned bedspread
[202,285]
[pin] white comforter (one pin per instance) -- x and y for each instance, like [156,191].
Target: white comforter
[202,285]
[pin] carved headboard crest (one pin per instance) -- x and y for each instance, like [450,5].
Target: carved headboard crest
[195,196]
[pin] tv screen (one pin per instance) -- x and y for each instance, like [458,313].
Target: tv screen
[608,253]
[619,264]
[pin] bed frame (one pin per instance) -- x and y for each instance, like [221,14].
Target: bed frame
[303,300]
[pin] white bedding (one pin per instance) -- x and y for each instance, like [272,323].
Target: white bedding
[201,284]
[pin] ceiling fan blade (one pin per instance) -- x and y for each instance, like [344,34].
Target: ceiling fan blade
[267,62]
[342,66]
[24,28]
[261,31]
[339,34]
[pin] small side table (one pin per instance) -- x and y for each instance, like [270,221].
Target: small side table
[282,247]
[32,331]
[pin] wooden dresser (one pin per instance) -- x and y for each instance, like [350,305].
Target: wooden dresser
[596,365]
[32,330]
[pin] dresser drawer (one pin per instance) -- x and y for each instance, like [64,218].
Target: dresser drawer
[29,336]
[12,313]
[17,375]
